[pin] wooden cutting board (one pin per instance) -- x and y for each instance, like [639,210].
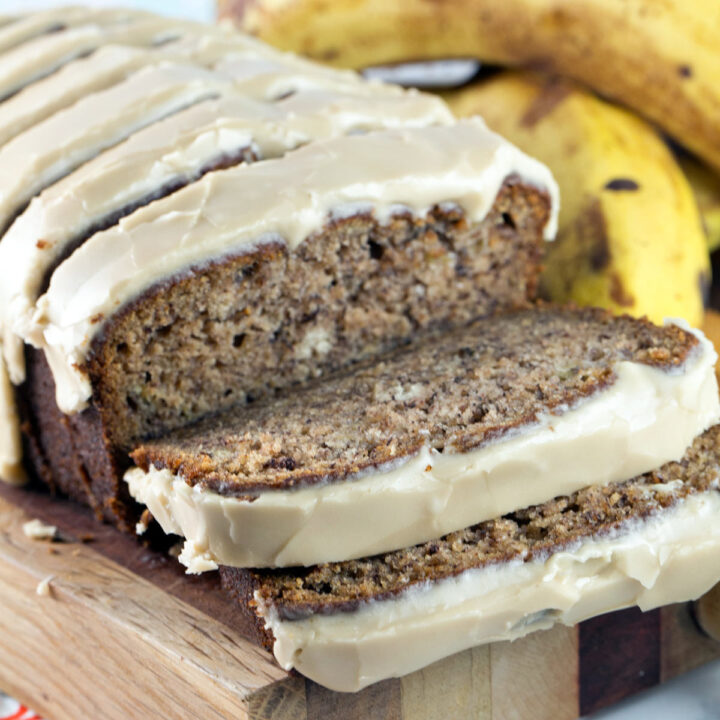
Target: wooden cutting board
[123,633]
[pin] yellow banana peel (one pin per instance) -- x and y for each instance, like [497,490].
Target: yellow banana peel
[660,58]
[630,235]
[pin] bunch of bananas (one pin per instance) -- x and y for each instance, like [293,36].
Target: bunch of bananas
[637,221]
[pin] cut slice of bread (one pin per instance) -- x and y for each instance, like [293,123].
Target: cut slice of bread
[491,417]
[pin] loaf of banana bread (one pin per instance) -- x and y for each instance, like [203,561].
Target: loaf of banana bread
[194,220]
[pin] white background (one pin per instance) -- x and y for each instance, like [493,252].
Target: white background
[694,697]
[192,9]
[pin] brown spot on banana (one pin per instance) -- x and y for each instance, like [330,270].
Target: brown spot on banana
[618,293]
[705,283]
[618,184]
[591,230]
[554,91]
[581,250]
[329,55]
[685,71]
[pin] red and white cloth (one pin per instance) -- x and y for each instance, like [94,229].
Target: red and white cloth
[12,710]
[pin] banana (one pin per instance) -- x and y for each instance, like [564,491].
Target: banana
[706,186]
[630,235]
[661,58]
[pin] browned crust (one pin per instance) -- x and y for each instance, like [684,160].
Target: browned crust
[526,535]
[241,587]
[72,454]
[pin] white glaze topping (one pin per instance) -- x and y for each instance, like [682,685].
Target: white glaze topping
[108,66]
[289,198]
[173,149]
[646,418]
[269,78]
[221,46]
[11,468]
[49,150]
[62,142]
[39,23]
[671,558]
[43,98]
[45,54]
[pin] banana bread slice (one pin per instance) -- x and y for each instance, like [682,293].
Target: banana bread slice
[648,541]
[471,424]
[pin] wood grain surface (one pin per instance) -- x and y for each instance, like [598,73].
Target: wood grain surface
[104,642]
[123,633]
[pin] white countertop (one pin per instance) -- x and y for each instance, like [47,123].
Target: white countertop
[203,10]
[695,696]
